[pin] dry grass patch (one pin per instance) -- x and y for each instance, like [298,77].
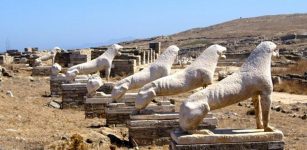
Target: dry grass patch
[292,87]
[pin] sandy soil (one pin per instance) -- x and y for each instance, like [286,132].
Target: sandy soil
[26,122]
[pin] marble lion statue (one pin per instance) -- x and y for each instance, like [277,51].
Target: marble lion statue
[252,80]
[160,68]
[198,74]
[93,84]
[50,55]
[56,69]
[103,62]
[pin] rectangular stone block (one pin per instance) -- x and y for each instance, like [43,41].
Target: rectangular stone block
[96,106]
[73,95]
[156,128]
[226,136]
[56,85]
[268,145]
[115,110]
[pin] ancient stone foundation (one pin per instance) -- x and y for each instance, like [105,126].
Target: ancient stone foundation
[230,139]
[95,106]
[156,128]
[73,94]
[41,71]
[56,85]
[119,113]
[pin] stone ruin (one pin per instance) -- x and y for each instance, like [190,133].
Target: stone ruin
[6,59]
[156,123]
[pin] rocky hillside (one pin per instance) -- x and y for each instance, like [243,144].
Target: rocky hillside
[239,35]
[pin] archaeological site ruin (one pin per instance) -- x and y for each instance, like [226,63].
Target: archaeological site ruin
[236,85]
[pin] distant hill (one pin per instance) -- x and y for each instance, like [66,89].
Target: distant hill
[256,29]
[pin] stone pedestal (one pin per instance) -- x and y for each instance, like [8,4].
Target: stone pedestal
[232,139]
[156,128]
[95,106]
[73,95]
[56,85]
[119,113]
[56,82]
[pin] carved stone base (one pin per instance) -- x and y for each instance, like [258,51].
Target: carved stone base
[233,139]
[96,106]
[56,85]
[119,113]
[73,95]
[156,128]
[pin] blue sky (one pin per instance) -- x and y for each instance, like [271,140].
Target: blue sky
[72,24]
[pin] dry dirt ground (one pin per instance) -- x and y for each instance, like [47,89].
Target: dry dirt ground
[26,122]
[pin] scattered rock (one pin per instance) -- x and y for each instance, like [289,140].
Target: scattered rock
[277,108]
[9,93]
[251,112]
[295,108]
[96,125]
[54,104]
[11,130]
[304,117]
[6,73]
[293,115]
[286,111]
[31,79]
[231,114]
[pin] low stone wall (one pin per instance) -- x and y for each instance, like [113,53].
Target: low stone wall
[41,71]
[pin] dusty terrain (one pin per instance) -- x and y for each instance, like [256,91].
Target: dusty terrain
[27,122]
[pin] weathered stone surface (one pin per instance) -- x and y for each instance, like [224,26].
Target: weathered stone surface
[96,106]
[56,85]
[211,122]
[54,104]
[268,145]
[158,116]
[156,128]
[119,113]
[73,95]
[227,136]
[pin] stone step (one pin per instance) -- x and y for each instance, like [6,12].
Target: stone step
[227,136]
[166,123]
